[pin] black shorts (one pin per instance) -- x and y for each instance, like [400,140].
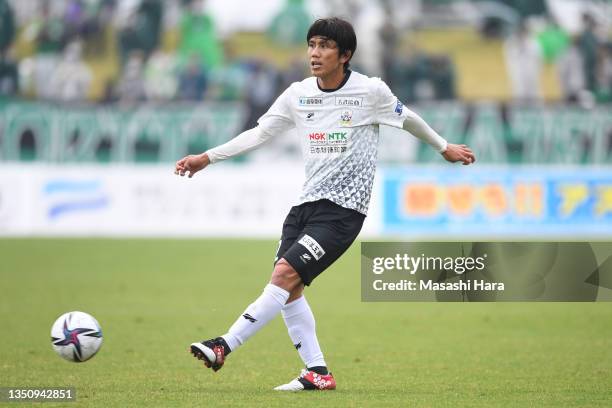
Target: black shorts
[315,234]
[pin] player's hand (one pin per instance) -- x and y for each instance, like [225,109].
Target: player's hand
[190,165]
[459,153]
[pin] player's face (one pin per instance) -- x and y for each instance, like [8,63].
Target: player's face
[324,57]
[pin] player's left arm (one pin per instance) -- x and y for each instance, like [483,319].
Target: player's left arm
[391,112]
[453,153]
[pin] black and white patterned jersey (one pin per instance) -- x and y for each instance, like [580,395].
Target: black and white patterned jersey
[339,133]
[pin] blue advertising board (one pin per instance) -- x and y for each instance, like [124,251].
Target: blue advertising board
[487,201]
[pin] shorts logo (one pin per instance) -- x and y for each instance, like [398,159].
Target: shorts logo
[305,101]
[349,101]
[305,258]
[312,246]
[346,117]
[399,108]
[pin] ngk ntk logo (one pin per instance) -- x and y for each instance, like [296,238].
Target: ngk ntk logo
[328,137]
[328,142]
[317,137]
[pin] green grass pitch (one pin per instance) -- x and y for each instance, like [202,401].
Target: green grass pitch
[154,297]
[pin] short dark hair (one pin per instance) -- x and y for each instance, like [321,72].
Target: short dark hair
[337,29]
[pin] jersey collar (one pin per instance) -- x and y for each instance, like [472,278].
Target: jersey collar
[344,81]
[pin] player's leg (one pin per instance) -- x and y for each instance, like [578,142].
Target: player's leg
[300,323]
[274,296]
[296,313]
[328,233]
[301,327]
[267,306]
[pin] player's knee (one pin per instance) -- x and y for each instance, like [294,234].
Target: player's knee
[284,276]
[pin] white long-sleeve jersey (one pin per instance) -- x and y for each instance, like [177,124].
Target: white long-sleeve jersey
[338,131]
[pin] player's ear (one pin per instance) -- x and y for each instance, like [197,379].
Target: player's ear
[344,58]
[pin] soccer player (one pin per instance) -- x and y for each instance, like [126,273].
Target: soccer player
[337,113]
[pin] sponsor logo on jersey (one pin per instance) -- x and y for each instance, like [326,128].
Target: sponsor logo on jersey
[349,101]
[305,101]
[399,108]
[310,117]
[324,137]
[336,136]
[346,117]
[312,246]
[328,142]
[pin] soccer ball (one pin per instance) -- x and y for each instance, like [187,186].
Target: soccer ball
[76,336]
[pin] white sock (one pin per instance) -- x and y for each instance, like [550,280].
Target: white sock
[256,315]
[300,324]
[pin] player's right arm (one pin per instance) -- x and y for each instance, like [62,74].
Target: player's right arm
[277,120]
[244,142]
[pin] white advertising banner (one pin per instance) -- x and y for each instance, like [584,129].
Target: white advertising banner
[225,200]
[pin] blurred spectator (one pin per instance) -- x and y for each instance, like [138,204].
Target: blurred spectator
[192,81]
[173,11]
[389,38]
[571,73]
[160,77]
[7,26]
[198,37]
[368,25]
[604,74]
[86,19]
[49,30]
[72,78]
[527,8]
[553,42]
[152,12]
[418,76]
[406,70]
[142,29]
[9,76]
[261,92]
[46,30]
[290,26]
[74,18]
[442,75]
[295,72]
[131,88]
[229,81]
[523,61]
[588,44]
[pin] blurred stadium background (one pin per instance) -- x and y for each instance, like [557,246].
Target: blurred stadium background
[100,97]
